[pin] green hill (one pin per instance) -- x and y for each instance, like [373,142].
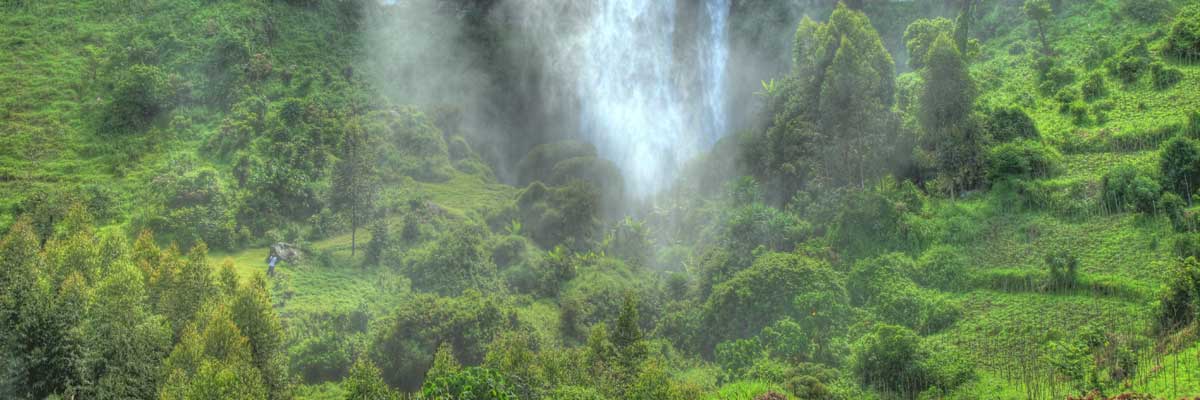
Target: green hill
[1005,212]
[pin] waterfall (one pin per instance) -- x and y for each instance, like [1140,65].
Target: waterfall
[646,105]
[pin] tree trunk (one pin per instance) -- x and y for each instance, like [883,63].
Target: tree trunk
[1042,34]
[353,229]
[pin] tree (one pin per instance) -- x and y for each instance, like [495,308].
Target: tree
[945,114]
[1039,11]
[890,358]
[919,36]
[1180,166]
[366,383]
[355,180]
[627,334]
[256,318]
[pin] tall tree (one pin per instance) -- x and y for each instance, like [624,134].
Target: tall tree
[1039,11]
[945,114]
[355,180]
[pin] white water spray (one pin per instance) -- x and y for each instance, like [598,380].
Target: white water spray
[650,96]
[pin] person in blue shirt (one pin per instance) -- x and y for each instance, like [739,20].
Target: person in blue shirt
[271,260]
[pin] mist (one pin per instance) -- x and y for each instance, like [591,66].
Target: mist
[644,82]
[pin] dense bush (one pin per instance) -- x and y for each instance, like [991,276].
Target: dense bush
[1163,76]
[1129,64]
[1063,270]
[538,164]
[1094,87]
[1179,304]
[404,344]
[1179,165]
[1022,160]
[1145,10]
[777,285]
[456,261]
[140,93]
[944,268]
[1011,123]
[1126,188]
[567,215]
[410,145]
[884,286]
[192,206]
[890,359]
[746,228]
[1184,39]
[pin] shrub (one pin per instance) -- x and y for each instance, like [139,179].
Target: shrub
[943,267]
[890,359]
[567,215]
[1009,123]
[1024,159]
[468,383]
[1094,87]
[1064,270]
[457,260]
[1179,304]
[777,285]
[1057,77]
[404,344]
[1192,130]
[1131,62]
[1145,10]
[1184,40]
[140,93]
[1079,112]
[1179,165]
[1126,188]
[1163,76]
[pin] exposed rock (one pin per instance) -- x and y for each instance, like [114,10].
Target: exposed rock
[286,252]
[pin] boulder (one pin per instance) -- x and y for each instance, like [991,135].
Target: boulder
[286,252]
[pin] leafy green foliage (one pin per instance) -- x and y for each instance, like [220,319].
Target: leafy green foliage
[1022,160]
[889,358]
[456,261]
[1011,123]
[140,93]
[1164,77]
[365,383]
[777,285]
[920,35]
[1179,166]
[404,346]
[1145,10]
[1184,39]
[1179,304]
[950,134]
[1127,188]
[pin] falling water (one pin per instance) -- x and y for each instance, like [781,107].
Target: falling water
[646,107]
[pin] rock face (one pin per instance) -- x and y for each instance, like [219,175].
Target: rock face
[286,252]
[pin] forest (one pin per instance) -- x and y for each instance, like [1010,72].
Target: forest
[600,199]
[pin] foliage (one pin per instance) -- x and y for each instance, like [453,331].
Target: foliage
[456,261]
[949,132]
[777,285]
[469,383]
[1164,77]
[1127,188]
[1145,10]
[365,383]
[1022,160]
[1011,123]
[890,358]
[1179,304]
[403,346]
[139,95]
[1184,40]
[565,215]
[920,35]
[1179,166]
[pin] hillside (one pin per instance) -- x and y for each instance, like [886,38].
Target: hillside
[911,199]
